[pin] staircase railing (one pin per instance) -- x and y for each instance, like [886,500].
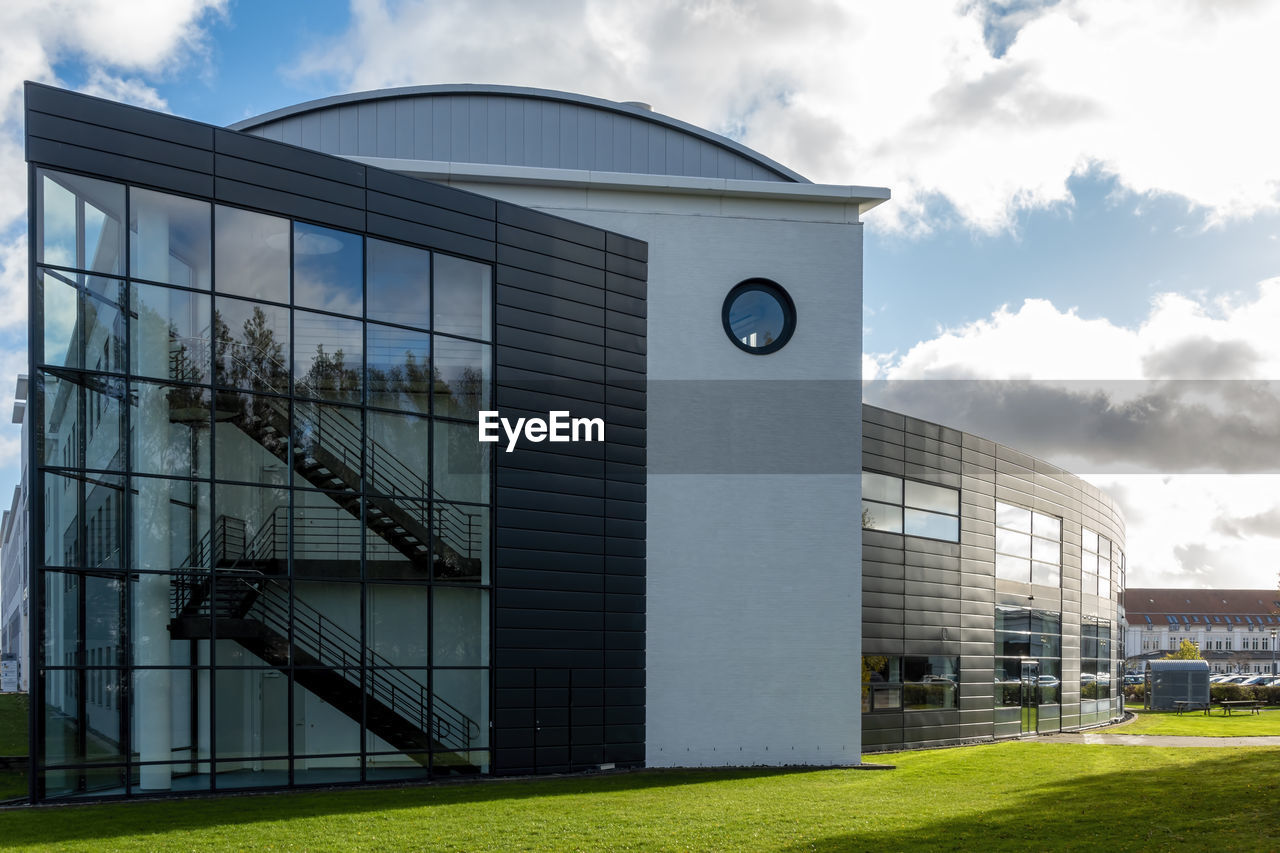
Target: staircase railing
[332,646]
[311,631]
[315,425]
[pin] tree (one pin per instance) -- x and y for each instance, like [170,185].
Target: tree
[1186,651]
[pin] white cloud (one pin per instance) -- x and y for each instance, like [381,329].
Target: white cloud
[1163,94]
[118,45]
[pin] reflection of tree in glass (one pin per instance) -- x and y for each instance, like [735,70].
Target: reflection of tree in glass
[330,375]
[409,378]
[463,396]
[256,360]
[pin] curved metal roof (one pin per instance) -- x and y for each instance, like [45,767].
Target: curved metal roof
[513,126]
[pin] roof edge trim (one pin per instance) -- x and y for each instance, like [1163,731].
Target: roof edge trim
[447,89]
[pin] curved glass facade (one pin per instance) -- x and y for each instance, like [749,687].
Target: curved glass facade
[264,518]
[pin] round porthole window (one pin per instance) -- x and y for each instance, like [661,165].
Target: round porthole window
[759,316]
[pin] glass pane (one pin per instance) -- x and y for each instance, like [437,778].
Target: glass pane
[1013,517]
[461,543]
[399,286]
[460,627]
[399,706]
[463,298]
[169,238]
[1088,540]
[252,251]
[460,707]
[327,535]
[171,525]
[251,347]
[60,437]
[104,331]
[79,221]
[328,270]
[62,526]
[320,727]
[881,517]
[251,438]
[396,545]
[327,446]
[104,433]
[103,518]
[328,360]
[171,334]
[464,376]
[326,624]
[397,624]
[169,615]
[1046,573]
[170,429]
[461,464]
[757,318]
[399,368]
[1013,568]
[1013,643]
[881,487]
[1047,526]
[63,344]
[1013,544]
[933,498]
[932,525]
[252,720]
[83,705]
[397,455]
[250,530]
[1045,550]
[61,617]
[1013,619]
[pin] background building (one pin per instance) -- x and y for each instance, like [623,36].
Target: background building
[1235,629]
[14,562]
[992,589]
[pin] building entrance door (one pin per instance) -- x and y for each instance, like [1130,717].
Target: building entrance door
[1030,696]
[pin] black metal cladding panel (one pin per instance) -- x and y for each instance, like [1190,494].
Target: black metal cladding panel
[570,522]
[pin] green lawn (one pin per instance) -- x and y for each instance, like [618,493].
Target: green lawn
[1239,724]
[1008,796]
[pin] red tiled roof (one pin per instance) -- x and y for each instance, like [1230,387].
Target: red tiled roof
[1201,602]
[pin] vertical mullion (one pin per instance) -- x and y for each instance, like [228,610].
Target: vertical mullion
[289,529]
[125,709]
[36,677]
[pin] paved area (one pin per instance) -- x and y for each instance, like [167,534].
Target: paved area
[1156,740]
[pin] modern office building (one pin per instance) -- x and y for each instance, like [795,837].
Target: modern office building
[14,563]
[269,547]
[992,590]
[1235,629]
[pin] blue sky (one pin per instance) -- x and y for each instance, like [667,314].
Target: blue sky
[1084,192]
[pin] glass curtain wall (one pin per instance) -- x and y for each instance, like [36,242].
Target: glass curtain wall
[1097,664]
[1025,634]
[264,515]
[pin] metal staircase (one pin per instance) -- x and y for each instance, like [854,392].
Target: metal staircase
[326,451]
[241,601]
[246,599]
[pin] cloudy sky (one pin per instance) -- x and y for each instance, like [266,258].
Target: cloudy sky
[1081,258]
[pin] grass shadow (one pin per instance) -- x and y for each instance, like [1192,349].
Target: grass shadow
[1220,799]
[98,822]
